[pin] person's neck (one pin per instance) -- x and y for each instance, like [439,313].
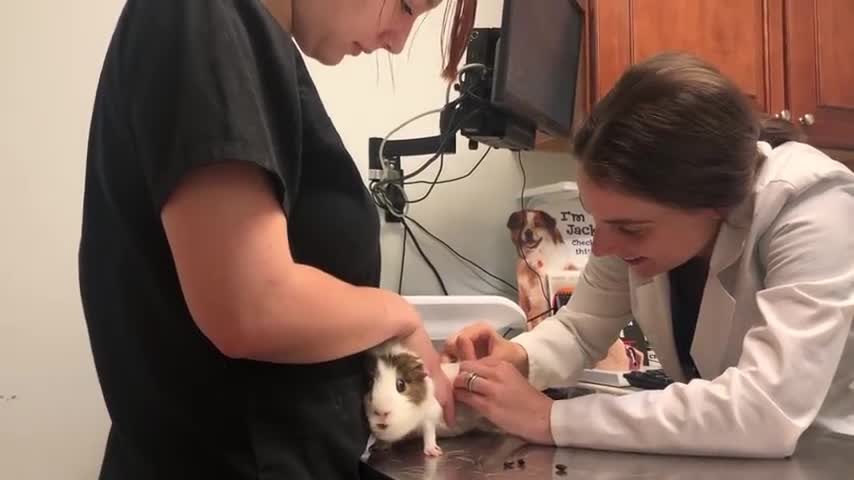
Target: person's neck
[282,11]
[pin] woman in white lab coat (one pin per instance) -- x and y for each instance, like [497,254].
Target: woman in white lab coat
[731,245]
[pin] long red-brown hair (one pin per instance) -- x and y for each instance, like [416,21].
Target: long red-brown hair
[459,15]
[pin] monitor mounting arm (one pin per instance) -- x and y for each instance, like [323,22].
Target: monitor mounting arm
[444,143]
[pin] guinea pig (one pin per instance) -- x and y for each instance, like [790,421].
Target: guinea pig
[401,402]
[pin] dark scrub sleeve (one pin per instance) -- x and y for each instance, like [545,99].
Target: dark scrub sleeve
[204,86]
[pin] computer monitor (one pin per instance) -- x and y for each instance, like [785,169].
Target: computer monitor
[531,72]
[536,68]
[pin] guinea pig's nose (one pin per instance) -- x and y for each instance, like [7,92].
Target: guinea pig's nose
[381,414]
[529,234]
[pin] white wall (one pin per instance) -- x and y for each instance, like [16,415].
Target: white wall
[49,60]
[51,53]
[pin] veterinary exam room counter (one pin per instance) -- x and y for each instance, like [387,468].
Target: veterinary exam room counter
[820,456]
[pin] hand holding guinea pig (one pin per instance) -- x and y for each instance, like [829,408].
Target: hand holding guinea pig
[419,343]
[500,393]
[493,382]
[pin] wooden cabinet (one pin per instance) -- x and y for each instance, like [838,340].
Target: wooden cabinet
[820,69]
[731,34]
[793,58]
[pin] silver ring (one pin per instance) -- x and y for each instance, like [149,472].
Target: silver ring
[470,381]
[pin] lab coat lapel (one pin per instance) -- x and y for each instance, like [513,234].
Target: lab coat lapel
[714,322]
[654,316]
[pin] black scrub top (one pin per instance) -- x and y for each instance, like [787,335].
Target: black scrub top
[186,83]
[687,282]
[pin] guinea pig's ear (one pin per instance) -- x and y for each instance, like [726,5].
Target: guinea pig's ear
[410,367]
[420,373]
[516,220]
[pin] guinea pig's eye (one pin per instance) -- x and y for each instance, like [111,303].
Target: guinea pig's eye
[401,385]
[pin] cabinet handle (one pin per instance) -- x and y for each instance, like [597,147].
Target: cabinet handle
[785,115]
[807,119]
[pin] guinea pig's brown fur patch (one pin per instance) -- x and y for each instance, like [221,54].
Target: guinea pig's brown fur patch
[411,370]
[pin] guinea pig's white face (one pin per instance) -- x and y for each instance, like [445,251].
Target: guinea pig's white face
[395,403]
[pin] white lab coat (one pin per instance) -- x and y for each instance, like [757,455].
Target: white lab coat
[774,342]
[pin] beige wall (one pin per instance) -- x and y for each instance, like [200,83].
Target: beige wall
[50,56]
[49,52]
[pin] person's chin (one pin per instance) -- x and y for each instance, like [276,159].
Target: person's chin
[328,59]
[324,56]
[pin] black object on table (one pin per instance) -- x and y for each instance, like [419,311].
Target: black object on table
[653,379]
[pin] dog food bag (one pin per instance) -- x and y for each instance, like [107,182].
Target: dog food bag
[552,237]
[574,225]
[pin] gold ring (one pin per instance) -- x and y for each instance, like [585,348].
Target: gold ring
[470,381]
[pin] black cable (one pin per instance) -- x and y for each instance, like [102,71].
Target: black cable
[450,180]
[522,254]
[436,238]
[524,181]
[424,256]
[402,262]
[546,312]
[459,255]
[451,134]
[433,183]
[379,187]
[380,194]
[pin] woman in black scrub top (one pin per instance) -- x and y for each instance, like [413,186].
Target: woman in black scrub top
[229,258]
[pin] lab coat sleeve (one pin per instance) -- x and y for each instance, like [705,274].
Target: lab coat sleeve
[761,406]
[580,334]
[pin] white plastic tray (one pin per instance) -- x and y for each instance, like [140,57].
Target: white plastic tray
[445,315]
[552,189]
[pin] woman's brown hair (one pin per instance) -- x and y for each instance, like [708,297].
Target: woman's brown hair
[456,29]
[676,131]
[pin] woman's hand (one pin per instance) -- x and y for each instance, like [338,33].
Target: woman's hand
[480,340]
[500,393]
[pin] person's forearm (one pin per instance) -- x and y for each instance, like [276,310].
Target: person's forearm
[314,317]
[553,356]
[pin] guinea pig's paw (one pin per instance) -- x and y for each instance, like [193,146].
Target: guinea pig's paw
[432,450]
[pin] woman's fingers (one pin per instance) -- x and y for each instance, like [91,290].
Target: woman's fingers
[471,342]
[470,382]
[449,351]
[479,403]
[482,366]
[465,349]
[487,375]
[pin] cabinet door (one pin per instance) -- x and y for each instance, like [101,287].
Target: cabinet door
[820,43]
[743,38]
